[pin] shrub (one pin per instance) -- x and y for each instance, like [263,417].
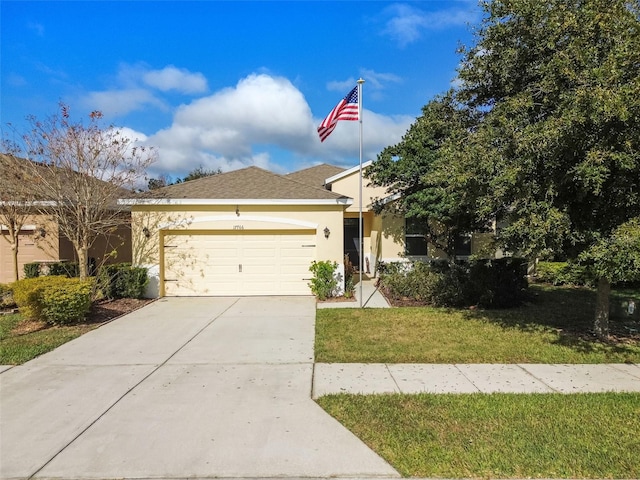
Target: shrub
[27,294]
[121,280]
[54,299]
[66,300]
[488,283]
[67,269]
[31,270]
[387,268]
[324,283]
[425,284]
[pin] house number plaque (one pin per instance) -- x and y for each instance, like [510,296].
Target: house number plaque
[238,227]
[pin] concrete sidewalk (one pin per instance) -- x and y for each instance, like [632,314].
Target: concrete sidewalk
[374,378]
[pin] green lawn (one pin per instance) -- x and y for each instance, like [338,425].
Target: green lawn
[21,341]
[500,435]
[552,328]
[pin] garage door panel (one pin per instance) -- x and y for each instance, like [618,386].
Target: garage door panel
[239,264]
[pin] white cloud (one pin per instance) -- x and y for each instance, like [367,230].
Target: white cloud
[137,87]
[179,79]
[260,109]
[243,125]
[120,102]
[407,23]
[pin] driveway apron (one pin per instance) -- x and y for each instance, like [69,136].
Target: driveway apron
[185,387]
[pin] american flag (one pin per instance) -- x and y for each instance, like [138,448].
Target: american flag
[347,109]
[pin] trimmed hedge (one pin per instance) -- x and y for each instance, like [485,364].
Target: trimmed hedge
[66,300]
[121,280]
[57,300]
[67,269]
[496,283]
[55,269]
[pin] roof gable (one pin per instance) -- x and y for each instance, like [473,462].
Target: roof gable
[346,173]
[315,176]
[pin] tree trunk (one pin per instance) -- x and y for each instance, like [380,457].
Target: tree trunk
[14,253]
[83,261]
[601,324]
[15,239]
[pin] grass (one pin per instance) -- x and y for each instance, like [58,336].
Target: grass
[22,340]
[500,435]
[553,328]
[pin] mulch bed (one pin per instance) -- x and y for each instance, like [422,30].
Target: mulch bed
[105,310]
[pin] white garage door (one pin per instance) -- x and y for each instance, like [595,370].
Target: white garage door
[252,263]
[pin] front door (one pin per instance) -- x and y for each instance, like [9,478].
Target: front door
[351,241]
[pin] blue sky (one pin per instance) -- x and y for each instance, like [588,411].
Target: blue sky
[234,83]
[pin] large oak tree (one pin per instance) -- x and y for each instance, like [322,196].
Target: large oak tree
[557,150]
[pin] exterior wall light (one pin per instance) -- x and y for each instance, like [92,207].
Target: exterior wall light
[42,232]
[327,232]
[146,232]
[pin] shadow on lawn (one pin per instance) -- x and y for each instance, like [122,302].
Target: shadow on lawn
[569,313]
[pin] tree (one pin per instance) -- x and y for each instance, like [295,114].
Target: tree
[76,173]
[196,173]
[556,152]
[410,169]
[200,172]
[14,210]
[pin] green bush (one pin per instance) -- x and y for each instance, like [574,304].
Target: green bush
[66,300]
[55,299]
[387,268]
[27,294]
[488,283]
[564,273]
[324,283]
[435,284]
[121,280]
[67,269]
[31,270]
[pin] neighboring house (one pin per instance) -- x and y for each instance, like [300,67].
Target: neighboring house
[40,240]
[254,232]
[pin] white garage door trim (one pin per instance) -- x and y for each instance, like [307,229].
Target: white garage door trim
[236,263]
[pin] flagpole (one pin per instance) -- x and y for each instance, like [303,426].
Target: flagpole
[361,238]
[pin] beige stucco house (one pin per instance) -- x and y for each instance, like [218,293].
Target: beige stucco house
[40,241]
[254,232]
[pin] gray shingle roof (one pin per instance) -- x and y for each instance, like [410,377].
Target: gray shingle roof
[315,176]
[247,183]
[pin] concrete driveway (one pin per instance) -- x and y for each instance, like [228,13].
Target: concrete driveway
[185,387]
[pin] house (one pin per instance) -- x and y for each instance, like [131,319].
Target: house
[39,238]
[254,232]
